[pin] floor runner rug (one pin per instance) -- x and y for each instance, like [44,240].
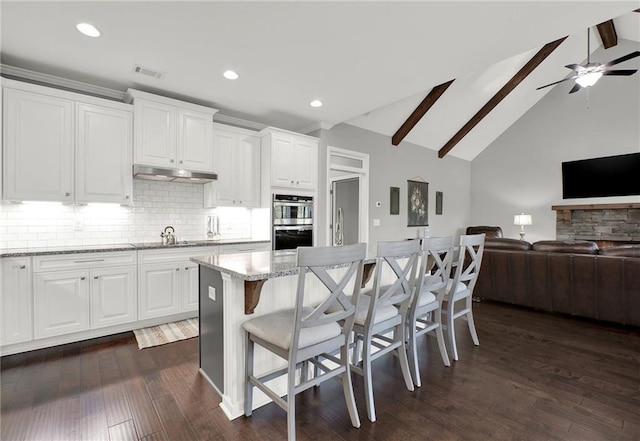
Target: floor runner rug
[167,333]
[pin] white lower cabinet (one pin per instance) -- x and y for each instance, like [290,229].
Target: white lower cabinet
[15,301]
[168,281]
[113,296]
[159,290]
[190,287]
[79,292]
[61,301]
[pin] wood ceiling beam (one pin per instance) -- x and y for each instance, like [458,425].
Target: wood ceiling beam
[500,95]
[419,112]
[608,35]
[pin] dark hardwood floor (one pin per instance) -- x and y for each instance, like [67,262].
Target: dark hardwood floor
[535,376]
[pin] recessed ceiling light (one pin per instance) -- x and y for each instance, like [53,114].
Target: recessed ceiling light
[316,103]
[88,30]
[230,75]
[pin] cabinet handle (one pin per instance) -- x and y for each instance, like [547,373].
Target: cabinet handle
[95,277]
[126,197]
[177,269]
[297,182]
[88,261]
[82,278]
[181,162]
[171,161]
[67,194]
[20,266]
[292,182]
[186,268]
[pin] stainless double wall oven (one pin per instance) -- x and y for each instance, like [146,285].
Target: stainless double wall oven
[292,222]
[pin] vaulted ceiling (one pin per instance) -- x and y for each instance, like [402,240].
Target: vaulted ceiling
[371,63]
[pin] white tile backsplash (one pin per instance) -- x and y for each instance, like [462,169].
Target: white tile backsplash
[156,204]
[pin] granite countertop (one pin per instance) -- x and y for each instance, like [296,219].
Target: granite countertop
[258,265]
[76,249]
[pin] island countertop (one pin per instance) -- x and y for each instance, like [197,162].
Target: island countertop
[257,265]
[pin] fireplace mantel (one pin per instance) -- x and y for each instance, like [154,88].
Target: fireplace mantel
[567,209]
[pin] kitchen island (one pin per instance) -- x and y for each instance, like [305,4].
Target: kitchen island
[235,288]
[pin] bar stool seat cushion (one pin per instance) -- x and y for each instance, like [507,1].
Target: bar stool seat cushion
[277,329]
[426,297]
[382,313]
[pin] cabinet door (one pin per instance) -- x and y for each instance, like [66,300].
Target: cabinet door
[283,163]
[247,166]
[103,151]
[222,190]
[61,303]
[155,134]
[306,164]
[38,147]
[190,287]
[159,290]
[15,302]
[113,296]
[195,147]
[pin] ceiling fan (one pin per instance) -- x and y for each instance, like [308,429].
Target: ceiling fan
[590,73]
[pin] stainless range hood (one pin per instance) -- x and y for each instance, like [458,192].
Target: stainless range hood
[172,174]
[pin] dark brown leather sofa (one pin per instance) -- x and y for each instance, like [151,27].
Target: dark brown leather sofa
[571,277]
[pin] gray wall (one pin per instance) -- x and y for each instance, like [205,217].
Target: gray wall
[521,170]
[392,166]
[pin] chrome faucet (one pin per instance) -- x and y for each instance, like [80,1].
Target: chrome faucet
[168,238]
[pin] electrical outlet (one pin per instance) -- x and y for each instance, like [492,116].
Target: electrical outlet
[78,223]
[212,293]
[376,222]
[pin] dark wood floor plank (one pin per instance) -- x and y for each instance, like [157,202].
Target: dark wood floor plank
[144,414]
[93,427]
[125,431]
[535,376]
[174,423]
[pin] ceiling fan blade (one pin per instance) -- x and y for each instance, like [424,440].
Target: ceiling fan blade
[622,59]
[551,84]
[575,88]
[620,72]
[575,67]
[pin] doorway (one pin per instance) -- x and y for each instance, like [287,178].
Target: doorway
[347,204]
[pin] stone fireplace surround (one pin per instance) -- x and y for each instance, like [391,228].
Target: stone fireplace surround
[605,224]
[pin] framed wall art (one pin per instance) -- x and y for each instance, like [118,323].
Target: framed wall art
[418,202]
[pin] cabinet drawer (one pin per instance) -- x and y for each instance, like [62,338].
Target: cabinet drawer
[245,248]
[168,255]
[83,260]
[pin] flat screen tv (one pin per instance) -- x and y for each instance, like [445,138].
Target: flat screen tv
[600,177]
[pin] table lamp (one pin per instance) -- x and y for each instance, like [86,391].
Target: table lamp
[522,220]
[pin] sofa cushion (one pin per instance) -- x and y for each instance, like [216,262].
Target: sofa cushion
[487,230]
[503,243]
[566,246]
[621,251]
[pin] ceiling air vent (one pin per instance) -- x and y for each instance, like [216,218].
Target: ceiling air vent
[148,72]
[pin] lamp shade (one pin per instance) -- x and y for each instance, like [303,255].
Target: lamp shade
[522,219]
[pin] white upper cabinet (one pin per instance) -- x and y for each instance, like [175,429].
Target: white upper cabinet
[236,155]
[171,133]
[195,148]
[38,147]
[294,159]
[155,134]
[64,146]
[104,146]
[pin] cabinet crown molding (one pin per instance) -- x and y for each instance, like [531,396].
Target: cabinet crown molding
[132,94]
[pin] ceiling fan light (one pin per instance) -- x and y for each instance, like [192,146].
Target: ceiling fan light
[589,79]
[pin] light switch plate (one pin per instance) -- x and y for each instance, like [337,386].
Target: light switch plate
[376,222]
[212,293]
